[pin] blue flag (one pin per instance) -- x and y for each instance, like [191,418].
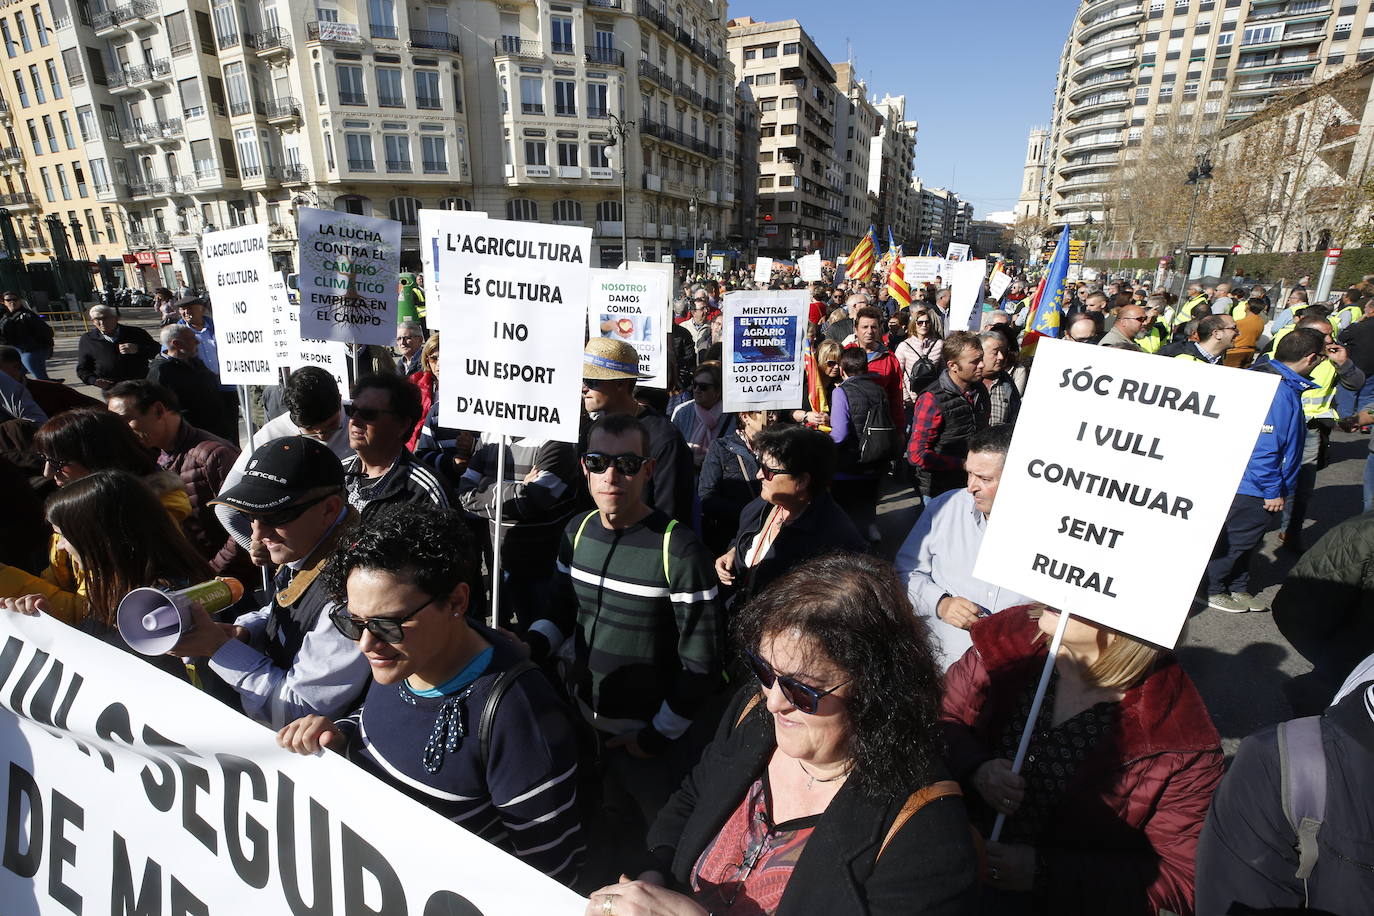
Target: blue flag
[1049,307]
[891,245]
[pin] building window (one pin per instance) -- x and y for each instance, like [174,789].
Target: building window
[351,91]
[397,148]
[536,152]
[531,95]
[405,210]
[564,97]
[597,106]
[23,30]
[455,203]
[40,24]
[50,133]
[53,81]
[10,49]
[434,154]
[47,185]
[561,29]
[62,182]
[566,211]
[427,89]
[596,156]
[791,47]
[389,91]
[522,209]
[66,130]
[381,16]
[359,148]
[19,85]
[608,211]
[770,51]
[567,155]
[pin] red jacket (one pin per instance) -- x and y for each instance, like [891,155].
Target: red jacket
[428,385]
[888,373]
[1125,835]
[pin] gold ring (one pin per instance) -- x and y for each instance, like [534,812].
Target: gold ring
[608,905]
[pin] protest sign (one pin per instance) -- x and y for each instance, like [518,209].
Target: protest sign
[129,791]
[810,267]
[516,294]
[1117,456]
[348,276]
[763,271]
[957,251]
[965,281]
[284,319]
[632,305]
[764,336]
[429,266]
[921,270]
[998,284]
[238,273]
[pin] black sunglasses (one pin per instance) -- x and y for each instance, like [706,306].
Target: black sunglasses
[806,698]
[702,386]
[770,473]
[364,414]
[387,629]
[286,516]
[597,463]
[57,463]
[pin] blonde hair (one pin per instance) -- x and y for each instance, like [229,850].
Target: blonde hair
[1124,663]
[827,350]
[428,351]
[933,329]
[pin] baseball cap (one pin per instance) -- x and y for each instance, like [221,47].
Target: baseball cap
[283,473]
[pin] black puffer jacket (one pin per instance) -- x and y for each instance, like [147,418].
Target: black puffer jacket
[729,482]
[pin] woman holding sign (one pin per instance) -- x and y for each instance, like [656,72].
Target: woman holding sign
[1107,810]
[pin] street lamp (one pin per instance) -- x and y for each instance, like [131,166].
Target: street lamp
[1200,172]
[692,209]
[620,129]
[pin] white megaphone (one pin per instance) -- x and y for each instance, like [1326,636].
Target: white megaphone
[151,620]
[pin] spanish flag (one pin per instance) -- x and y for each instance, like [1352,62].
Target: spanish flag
[862,259]
[897,286]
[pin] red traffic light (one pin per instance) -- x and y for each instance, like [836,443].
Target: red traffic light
[767,217]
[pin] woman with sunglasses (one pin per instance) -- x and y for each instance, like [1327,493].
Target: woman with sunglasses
[794,518]
[919,355]
[73,445]
[702,419]
[108,523]
[822,375]
[1106,813]
[823,791]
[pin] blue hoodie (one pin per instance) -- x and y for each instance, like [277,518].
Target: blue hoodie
[1277,456]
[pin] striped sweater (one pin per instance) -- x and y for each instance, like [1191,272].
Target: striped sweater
[526,800]
[643,609]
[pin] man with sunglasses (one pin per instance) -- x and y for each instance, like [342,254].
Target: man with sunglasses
[287,660]
[381,472]
[638,602]
[610,370]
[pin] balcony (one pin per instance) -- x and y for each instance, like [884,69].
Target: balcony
[531,108]
[562,47]
[271,43]
[605,4]
[1121,15]
[565,111]
[282,111]
[1107,80]
[388,32]
[511,46]
[434,167]
[434,41]
[155,187]
[537,171]
[138,14]
[1339,133]
[608,227]
[1272,84]
[17,201]
[352,98]
[138,239]
[338,33]
[652,182]
[12,154]
[399,166]
[606,57]
[598,112]
[147,73]
[243,107]
[648,71]
[1107,62]
[294,173]
[1297,9]
[683,91]
[362,165]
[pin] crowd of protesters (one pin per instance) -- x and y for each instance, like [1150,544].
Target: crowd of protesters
[703,676]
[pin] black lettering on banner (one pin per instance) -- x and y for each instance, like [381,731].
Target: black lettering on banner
[62,851]
[254,869]
[123,901]
[41,706]
[447,903]
[192,778]
[8,656]
[113,722]
[23,863]
[21,686]
[319,866]
[359,856]
[185,903]
[162,793]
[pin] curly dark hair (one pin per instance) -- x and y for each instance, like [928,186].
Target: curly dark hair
[801,450]
[432,549]
[853,609]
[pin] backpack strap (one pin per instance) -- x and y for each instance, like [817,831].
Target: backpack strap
[577,538]
[945,788]
[748,708]
[503,683]
[1302,776]
[667,536]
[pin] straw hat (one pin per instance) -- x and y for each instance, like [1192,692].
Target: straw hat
[605,358]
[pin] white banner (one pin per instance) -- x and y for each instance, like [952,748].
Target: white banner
[128,791]
[632,305]
[429,262]
[1120,458]
[238,274]
[517,294]
[348,276]
[921,270]
[957,251]
[998,284]
[764,360]
[965,281]
[763,271]
[284,319]
[810,267]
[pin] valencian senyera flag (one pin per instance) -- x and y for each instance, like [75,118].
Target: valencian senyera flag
[862,259]
[897,287]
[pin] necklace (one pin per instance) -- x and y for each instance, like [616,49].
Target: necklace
[812,780]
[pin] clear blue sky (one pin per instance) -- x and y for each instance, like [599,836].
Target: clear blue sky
[977,75]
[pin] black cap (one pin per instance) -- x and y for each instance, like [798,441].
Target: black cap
[283,473]
[188,300]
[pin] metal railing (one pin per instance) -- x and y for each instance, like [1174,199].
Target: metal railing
[284,107]
[383,31]
[271,39]
[437,41]
[610,57]
[294,173]
[362,165]
[518,47]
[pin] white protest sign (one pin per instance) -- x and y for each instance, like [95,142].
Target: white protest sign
[1118,456]
[810,267]
[283,321]
[129,791]
[957,251]
[238,274]
[921,270]
[764,359]
[632,305]
[965,280]
[998,284]
[517,294]
[763,271]
[348,276]
[429,266]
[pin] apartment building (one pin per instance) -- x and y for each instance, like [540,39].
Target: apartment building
[44,176]
[203,115]
[857,126]
[799,200]
[890,171]
[1135,72]
[941,217]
